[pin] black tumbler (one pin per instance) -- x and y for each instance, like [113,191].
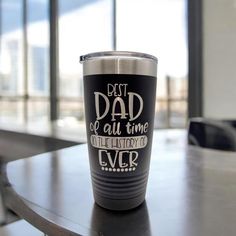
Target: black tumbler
[119,94]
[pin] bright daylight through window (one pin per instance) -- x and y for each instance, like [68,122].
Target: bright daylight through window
[157,27]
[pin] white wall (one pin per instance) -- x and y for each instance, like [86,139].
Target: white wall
[219,58]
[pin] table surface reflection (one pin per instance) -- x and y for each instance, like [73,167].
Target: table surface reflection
[191,191]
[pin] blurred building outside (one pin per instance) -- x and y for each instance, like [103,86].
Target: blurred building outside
[171,100]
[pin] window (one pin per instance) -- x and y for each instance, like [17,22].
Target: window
[38,47]
[84,26]
[11,61]
[157,27]
[38,60]
[24,60]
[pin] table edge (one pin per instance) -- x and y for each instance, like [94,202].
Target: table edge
[20,206]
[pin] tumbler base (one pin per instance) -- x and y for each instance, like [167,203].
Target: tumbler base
[121,204]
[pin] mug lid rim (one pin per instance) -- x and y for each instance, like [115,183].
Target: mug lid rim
[126,54]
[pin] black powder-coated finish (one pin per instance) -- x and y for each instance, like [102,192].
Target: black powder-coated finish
[119,117]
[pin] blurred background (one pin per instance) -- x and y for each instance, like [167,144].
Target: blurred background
[41,41]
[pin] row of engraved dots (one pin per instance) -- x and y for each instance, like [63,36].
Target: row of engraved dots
[118,169]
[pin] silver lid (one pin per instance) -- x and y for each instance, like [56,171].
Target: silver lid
[119,62]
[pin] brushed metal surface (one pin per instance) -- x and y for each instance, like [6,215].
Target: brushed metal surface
[118,62]
[191,192]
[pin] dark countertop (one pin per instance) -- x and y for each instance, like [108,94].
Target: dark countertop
[191,191]
[69,129]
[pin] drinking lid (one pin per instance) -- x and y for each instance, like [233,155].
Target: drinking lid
[119,62]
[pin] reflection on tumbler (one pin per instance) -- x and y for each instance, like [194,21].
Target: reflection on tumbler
[132,222]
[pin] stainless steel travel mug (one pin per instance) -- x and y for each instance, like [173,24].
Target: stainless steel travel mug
[119,94]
